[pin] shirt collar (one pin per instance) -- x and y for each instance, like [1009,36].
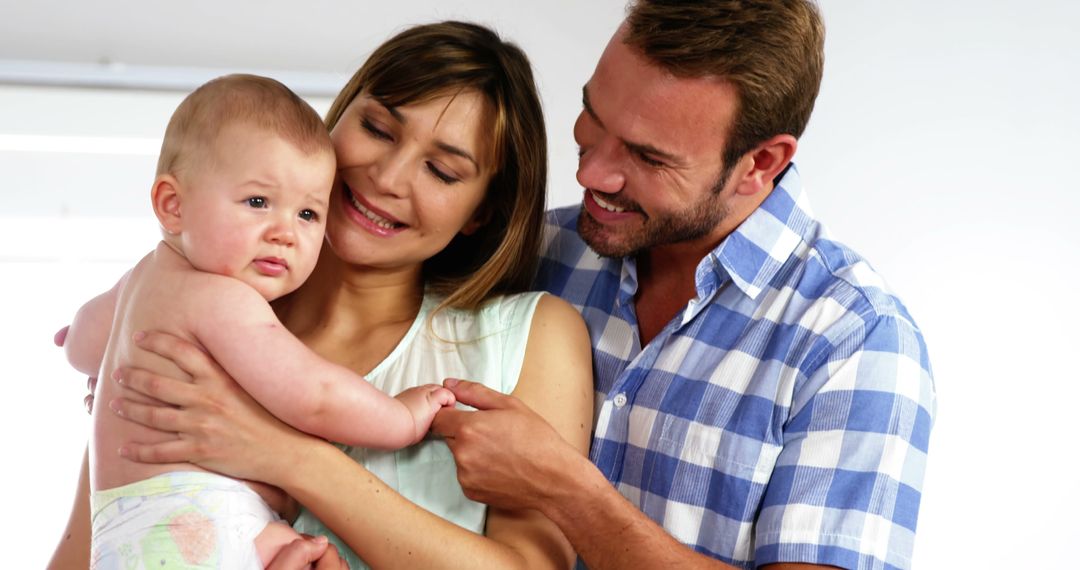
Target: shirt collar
[753,253]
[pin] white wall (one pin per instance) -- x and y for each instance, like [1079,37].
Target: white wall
[941,148]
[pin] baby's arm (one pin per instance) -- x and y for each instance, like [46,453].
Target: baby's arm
[89,332]
[241,332]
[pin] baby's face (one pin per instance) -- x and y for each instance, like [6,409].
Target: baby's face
[256,210]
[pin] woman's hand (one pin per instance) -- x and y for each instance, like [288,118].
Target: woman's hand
[218,425]
[91,382]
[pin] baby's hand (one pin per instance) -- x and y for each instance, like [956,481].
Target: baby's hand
[60,336]
[423,403]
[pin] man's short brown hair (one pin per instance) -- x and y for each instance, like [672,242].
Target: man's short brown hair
[772,51]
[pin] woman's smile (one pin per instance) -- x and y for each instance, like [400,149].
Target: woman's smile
[391,170]
[369,217]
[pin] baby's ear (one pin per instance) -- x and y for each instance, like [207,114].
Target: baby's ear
[165,197]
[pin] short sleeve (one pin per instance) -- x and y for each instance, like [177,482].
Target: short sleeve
[848,481]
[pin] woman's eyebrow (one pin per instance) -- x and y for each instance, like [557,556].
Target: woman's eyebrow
[443,146]
[457,151]
[394,113]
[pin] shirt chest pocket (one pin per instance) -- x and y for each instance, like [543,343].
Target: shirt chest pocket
[704,464]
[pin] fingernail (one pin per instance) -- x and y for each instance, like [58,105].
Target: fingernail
[115,406]
[138,336]
[123,452]
[451,382]
[116,376]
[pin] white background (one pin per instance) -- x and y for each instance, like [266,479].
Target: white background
[942,148]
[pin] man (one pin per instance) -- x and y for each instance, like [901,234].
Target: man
[762,399]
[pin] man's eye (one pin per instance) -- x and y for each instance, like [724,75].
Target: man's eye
[256,202]
[308,215]
[649,160]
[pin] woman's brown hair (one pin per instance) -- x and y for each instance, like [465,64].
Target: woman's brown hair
[433,60]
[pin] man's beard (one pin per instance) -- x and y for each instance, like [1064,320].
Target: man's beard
[689,224]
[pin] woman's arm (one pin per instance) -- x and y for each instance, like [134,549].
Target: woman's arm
[557,384]
[222,429]
[73,551]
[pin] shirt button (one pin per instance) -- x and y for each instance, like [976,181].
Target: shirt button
[620,400]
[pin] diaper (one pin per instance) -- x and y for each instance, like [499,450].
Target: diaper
[177,520]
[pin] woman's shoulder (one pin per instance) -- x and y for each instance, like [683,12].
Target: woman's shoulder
[551,308]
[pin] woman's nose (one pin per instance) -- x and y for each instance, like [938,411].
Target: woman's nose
[391,174]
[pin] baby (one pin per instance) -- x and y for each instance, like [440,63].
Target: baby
[241,194]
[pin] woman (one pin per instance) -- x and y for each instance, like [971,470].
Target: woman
[432,235]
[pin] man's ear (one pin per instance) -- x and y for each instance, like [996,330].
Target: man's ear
[765,163]
[165,198]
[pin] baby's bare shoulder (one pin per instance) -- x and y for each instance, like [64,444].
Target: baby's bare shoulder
[185,297]
[212,290]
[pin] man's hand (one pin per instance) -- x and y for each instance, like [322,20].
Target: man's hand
[507,456]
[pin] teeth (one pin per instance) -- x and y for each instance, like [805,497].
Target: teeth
[375,218]
[606,206]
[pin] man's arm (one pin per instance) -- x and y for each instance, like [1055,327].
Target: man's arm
[240,331]
[608,531]
[509,457]
[875,382]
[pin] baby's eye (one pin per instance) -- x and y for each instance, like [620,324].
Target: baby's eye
[308,215]
[256,202]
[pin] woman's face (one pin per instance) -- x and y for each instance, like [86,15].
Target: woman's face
[409,178]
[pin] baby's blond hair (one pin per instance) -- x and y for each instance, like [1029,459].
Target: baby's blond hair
[249,100]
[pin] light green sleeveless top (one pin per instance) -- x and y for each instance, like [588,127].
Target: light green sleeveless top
[487,346]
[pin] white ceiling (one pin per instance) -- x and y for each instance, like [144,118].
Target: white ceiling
[328,38]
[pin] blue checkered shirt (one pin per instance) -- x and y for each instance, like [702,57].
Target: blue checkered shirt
[782,416]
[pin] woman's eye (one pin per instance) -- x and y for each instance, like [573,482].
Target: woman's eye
[442,176]
[308,215]
[256,202]
[375,131]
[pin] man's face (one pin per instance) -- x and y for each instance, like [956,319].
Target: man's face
[650,147]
